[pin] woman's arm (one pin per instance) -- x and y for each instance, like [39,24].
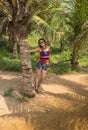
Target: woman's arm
[33,50]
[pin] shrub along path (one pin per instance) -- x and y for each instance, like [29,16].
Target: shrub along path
[62,106]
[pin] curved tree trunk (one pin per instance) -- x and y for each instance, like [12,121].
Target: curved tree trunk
[79,42]
[27,88]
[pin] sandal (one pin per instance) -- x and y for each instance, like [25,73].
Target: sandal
[38,91]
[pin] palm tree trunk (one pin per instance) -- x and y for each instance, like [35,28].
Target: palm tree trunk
[75,52]
[79,42]
[27,88]
[15,51]
[74,59]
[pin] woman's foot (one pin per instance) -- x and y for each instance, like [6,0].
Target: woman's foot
[38,91]
[37,88]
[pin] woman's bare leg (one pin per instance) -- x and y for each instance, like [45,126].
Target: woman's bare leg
[43,75]
[37,78]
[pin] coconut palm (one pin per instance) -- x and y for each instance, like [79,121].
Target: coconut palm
[19,14]
[79,42]
[81,16]
[48,24]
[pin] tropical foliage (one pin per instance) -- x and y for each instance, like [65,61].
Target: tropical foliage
[63,23]
[19,19]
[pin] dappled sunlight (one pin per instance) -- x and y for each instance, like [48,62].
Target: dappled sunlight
[14,124]
[83,78]
[43,64]
[63,105]
[77,85]
[55,88]
[5,75]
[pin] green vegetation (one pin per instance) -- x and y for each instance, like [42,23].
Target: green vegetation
[60,62]
[62,23]
[6,57]
[8,63]
[83,60]
[8,92]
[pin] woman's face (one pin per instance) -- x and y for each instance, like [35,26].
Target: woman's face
[42,43]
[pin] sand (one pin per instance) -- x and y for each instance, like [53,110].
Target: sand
[62,106]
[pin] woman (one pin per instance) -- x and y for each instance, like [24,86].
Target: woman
[43,62]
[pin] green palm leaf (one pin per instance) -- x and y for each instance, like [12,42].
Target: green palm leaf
[45,27]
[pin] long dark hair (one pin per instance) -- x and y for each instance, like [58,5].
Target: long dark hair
[42,40]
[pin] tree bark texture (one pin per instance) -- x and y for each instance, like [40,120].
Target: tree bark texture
[15,51]
[27,88]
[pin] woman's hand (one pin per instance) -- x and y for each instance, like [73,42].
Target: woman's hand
[27,51]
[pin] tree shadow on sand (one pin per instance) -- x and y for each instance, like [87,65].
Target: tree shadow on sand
[52,111]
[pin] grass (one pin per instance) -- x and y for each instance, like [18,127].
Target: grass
[8,92]
[6,57]
[83,61]
[7,62]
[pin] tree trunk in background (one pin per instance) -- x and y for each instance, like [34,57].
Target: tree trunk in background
[15,50]
[12,33]
[74,60]
[61,47]
[27,88]
[79,42]
[80,15]
[80,19]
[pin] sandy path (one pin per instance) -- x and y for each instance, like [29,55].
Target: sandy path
[62,106]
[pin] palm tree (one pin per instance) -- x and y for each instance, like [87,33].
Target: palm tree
[19,14]
[81,16]
[11,38]
[79,42]
[48,24]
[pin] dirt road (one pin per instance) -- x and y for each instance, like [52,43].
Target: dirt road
[62,106]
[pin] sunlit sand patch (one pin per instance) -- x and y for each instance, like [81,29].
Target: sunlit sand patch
[3,107]
[81,79]
[9,77]
[54,88]
[15,124]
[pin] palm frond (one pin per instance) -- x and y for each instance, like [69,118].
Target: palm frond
[4,7]
[14,3]
[3,26]
[45,28]
[28,4]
